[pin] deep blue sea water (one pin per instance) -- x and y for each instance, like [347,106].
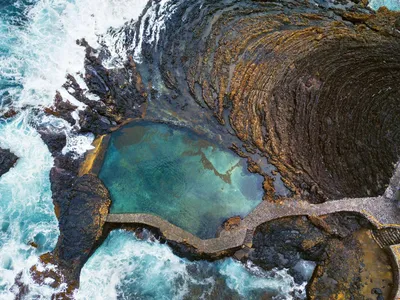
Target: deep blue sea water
[37,50]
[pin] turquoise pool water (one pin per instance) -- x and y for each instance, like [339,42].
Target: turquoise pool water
[37,50]
[179,176]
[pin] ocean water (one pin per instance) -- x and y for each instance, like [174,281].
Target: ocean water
[391,4]
[179,176]
[37,51]
[128,268]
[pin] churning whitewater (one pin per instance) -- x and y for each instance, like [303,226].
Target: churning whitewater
[37,50]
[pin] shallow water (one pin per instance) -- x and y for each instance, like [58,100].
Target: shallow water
[37,50]
[179,176]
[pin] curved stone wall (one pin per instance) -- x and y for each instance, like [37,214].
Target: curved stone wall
[314,88]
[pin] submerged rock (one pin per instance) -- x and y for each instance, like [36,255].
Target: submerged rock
[7,160]
[232,223]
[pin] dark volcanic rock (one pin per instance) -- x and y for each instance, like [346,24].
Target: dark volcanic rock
[82,203]
[81,222]
[62,176]
[81,219]
[283,243]
[121,95]
[121,92]
[55,141]
[66,166]
[7,160]
[10,113]
[313,86]
[348,259]
[62,109]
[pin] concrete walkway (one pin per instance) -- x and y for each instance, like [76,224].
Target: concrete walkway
[381,212]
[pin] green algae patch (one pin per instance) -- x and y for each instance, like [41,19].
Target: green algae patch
[179,176]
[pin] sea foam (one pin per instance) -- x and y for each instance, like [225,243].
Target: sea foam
[125,267]
[390,4]
[36,53]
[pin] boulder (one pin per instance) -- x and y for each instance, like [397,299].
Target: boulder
[232,223]
[7,160]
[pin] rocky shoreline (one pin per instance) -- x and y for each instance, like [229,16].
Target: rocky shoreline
[7,161]
[311,88]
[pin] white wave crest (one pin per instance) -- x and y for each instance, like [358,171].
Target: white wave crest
[26,209]
[125,267]
[390,4]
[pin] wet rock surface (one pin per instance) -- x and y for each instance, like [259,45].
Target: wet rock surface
[82,202]
[284,242]
[81,222]
[7,160]
[120,92]
[82,216]
[311,87]
[314,87]
[349,262]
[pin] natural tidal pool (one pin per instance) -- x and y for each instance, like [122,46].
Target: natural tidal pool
[178,175]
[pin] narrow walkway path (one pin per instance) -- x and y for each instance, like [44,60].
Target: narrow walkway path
[381,212]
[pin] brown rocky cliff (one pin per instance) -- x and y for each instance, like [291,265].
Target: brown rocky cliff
[312,87]
[7,161]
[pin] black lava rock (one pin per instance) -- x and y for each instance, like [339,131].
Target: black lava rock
[7,160]
[82,216]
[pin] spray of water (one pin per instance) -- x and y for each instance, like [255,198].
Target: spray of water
[36,54]
[128,268]
[390,4]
